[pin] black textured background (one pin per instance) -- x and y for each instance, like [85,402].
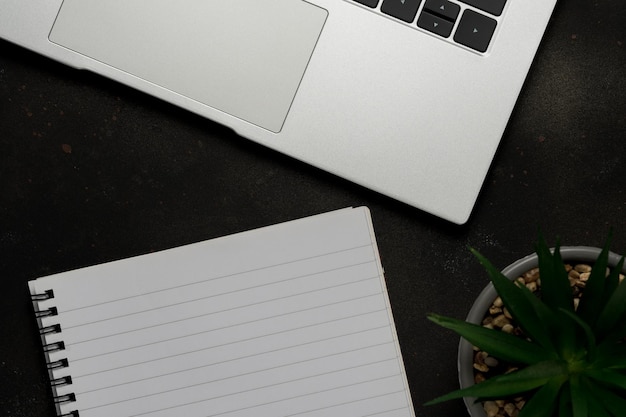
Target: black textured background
[91,171]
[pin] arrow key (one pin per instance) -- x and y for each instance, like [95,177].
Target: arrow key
[401,9]
[443,8]
[435,24]
[475,30]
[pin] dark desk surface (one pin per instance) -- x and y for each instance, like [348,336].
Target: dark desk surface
[91,171]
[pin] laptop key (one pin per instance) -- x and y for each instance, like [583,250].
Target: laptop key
[443,8]
[370,3]
[435,24]
[401,9]
[494,7]
[475,30]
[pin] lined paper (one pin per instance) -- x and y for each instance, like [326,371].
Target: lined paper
[287,320]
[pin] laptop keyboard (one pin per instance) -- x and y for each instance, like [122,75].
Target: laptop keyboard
[472,27]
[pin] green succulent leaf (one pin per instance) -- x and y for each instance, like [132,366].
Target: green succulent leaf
[589,336]
[566,336]
[596,408]
[614,311]
[591,304]
[614,358]
[554,281]
[612,281]
[613,403]
[608,377]
[565,402]
[499,344]
[545,316]
[527,311]
[617,334]
[524,380]
[580,404]
[544,401]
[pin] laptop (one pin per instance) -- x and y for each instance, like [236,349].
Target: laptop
[409,98]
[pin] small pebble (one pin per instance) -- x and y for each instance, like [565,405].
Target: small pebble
[532,275]
[510,409]
[495,310]
[481,367]
[500,321]
[491,362]
[491,408]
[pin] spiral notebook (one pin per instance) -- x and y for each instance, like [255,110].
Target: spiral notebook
[287,320]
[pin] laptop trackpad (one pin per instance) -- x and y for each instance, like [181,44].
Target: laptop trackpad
[243,57]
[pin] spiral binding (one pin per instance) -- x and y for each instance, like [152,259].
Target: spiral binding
[46,295]
[63,363]
[67,398]
[59,382]
[52,311]
[54,347]
[55,328]
[48,348]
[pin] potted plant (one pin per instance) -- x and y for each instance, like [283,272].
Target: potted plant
[571,359]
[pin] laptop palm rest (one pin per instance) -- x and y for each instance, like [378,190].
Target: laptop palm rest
[242,57]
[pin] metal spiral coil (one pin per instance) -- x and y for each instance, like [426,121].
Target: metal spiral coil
[52,311]
[54,347]
[46,295]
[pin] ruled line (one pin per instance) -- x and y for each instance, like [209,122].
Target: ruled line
[350,402]
[294,397]
[237,308]
[380,413]
[239,341]
[258,371]
[218,277]
[224,294]
[259,388]
[238,358]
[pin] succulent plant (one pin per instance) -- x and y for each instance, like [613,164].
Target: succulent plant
[571,360]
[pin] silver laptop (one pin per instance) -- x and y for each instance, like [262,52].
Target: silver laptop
[407,97]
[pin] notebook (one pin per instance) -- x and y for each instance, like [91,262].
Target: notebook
[409,98]
[287,320]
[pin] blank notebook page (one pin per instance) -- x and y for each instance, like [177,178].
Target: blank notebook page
[287,320]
